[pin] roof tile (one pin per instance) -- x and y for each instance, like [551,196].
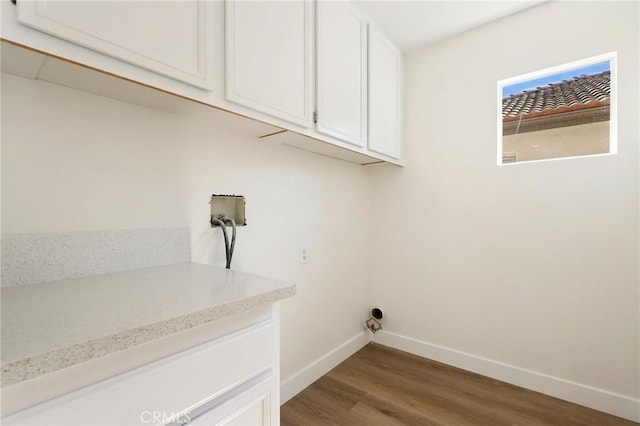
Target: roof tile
[585,91]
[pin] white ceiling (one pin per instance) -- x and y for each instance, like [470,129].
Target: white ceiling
[412,24]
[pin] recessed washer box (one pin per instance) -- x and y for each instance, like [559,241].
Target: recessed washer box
[230,206]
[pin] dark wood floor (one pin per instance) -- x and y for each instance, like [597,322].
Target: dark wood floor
[383,386]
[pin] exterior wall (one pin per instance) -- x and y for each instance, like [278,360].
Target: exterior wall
[583,139]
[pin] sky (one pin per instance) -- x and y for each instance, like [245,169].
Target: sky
[553,78]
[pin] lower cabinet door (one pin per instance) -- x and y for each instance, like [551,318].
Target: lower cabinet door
[252,407]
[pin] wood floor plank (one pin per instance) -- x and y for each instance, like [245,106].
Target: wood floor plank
[327,402]
[383,386]
[475,391]
[376,411]
[543,409]
[430,399]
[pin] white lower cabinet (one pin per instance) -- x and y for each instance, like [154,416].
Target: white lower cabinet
[231,380]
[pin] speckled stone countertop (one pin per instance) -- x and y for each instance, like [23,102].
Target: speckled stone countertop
[50,326]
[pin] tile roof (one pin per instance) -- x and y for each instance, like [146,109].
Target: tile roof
[582,92]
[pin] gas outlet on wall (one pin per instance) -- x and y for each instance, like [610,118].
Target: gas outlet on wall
[304,256]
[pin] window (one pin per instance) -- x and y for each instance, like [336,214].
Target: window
[561,112]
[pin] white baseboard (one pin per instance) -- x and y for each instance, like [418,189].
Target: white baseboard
[598,399]
[291,386]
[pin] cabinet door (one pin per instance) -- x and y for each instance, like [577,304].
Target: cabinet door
[269,57]
[342,72]
[167,37]
[385,95]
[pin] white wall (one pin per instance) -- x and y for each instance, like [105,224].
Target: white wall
[533,265]
[74,161]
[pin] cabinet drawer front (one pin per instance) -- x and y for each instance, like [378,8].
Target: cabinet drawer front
[253,407]
[167,37]
[166,389]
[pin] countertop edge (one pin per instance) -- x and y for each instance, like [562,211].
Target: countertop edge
[57,359]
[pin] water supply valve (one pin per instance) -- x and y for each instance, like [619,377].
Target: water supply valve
[230,207]
[373,324]
[228,210]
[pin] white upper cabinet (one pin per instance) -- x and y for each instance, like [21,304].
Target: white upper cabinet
[342,72]
[167,37]
[385,100]
[269,58]
[317,70]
